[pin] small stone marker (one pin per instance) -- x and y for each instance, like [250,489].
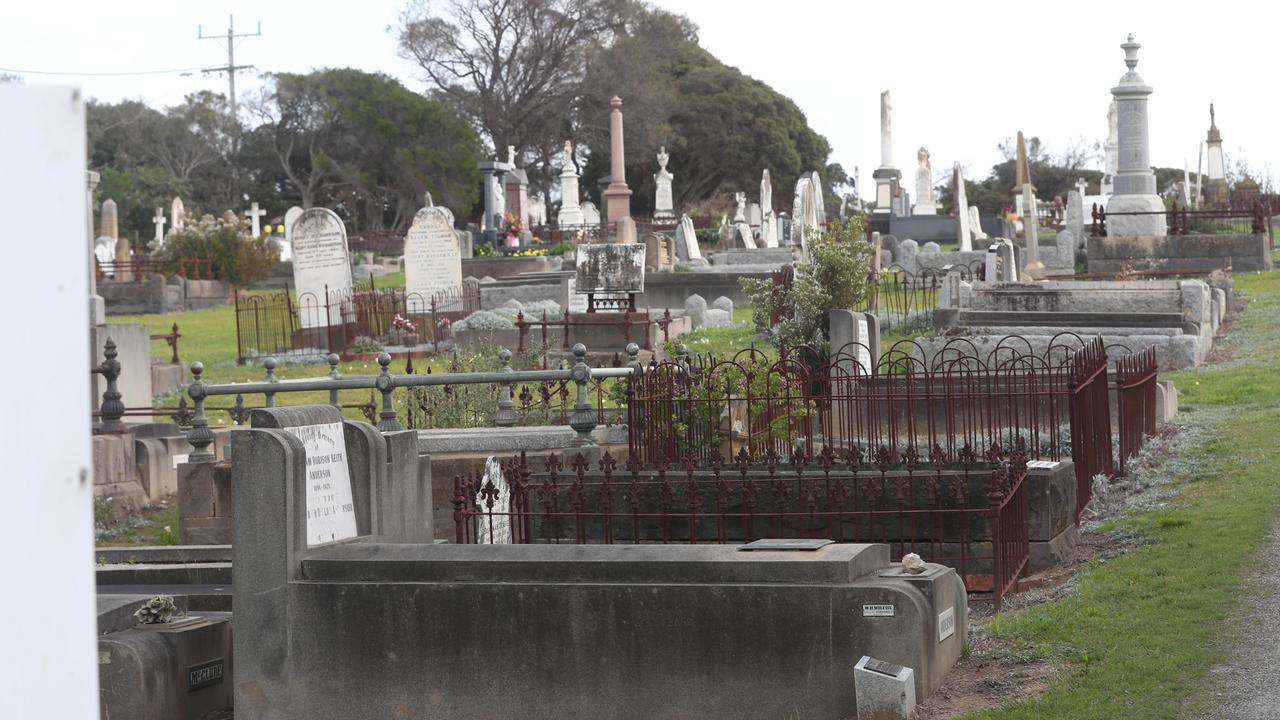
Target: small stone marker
[331,512]
[884,691]
[432,262]
[255,216]
[320,263]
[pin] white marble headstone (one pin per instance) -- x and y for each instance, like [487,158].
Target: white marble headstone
[320,263]
[331,512]
[494,522]
[432,262]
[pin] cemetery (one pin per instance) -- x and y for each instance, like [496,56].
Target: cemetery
[420,411]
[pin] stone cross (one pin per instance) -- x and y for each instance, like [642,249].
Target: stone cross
[159,221]
[1081,186]
[255,215]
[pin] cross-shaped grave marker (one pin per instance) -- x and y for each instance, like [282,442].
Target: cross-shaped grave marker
[254,215]
[159,220]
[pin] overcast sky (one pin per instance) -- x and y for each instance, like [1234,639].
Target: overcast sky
[963,76]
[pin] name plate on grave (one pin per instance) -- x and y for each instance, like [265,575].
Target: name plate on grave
[331,512]
[206,674]
[877,611]
[946,624]
[610,268]
[882,667]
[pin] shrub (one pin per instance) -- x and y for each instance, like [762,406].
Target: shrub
[561,248]
[236,258]
[836,276]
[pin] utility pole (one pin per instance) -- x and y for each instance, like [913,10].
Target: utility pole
[230,68]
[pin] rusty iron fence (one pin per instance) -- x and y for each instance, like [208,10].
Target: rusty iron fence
[276,324]
[1135,401]
[140,268]
[970,513]
[1255,220]
[961,401]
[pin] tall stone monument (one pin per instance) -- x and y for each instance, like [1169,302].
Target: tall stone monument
[663,206]
[886,176]
[570,211]
[495,198]
[1021,168]
[925,203]
[1217,195]
[321,268]
[1112,149]
[1031,232]
[964,239]
[768,219]
[618,196]
[432,261]
[1135,184]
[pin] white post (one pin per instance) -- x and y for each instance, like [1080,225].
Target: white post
[50,669]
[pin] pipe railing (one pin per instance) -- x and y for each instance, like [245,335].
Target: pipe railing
[582,420]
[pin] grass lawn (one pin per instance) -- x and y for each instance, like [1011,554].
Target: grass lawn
[1140,635]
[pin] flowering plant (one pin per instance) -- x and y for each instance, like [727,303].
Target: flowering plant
[514,228]
[403,324]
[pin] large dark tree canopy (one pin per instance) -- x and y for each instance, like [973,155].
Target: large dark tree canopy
[721,127]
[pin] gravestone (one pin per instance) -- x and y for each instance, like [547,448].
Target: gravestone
[177,214]
[695,306]
[964,214]
[1001,262]
[432,262]
[331,510]
[158,220]
[663,207]
[723,303]
[124,255]
[570,211]
[577,301]
[286,246]
[855,336]
[687,248]
[104,250]
[1031,230]
[925,204]
[610,268]
[590,213]
[321,266]
[1135,183]
[255,214]
[768,220]
[659,256]
[931,247]
[975,224]
[496,528]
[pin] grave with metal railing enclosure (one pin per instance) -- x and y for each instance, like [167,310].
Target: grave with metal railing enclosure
[278,324]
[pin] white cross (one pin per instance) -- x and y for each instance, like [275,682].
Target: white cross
[159,221]
[253,213]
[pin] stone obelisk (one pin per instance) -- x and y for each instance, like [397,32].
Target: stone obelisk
[618,195]
[886,176]
[1135,184]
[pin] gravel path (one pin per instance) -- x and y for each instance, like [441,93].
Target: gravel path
[1248,686]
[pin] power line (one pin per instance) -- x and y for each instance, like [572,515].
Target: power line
[101,74]
[230,68]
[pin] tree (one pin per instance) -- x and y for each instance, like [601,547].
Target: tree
[721,127]
[365,145]
[511,67]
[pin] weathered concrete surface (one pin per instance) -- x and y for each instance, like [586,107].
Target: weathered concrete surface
[1247,253]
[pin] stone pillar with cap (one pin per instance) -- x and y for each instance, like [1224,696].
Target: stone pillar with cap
[618,195]
[1135,184]
[97,307]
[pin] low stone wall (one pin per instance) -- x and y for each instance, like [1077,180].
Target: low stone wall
[670,290]
[1198,253]
[158,295]
[504,267]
